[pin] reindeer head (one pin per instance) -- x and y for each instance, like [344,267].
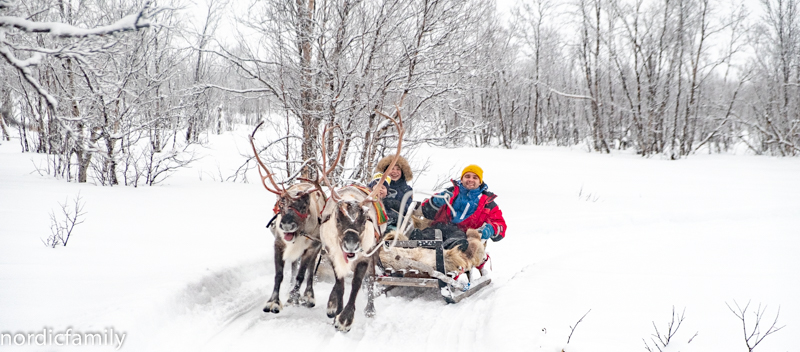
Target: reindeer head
[351,219]
[294,211]
[298,202]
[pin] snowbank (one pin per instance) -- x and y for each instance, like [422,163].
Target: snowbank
[185,266]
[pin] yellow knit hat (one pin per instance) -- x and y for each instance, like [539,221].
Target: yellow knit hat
[378,176]
[474,169]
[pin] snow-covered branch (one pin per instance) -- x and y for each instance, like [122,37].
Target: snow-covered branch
[139,20]
[132,22]
[24,69]
[567,95]
[238,91]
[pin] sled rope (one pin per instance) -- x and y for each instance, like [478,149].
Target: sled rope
[403,220]
[446,197]
[312,239]
[487,260]
[459,274]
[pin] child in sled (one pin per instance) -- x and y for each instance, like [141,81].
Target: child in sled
[396,187]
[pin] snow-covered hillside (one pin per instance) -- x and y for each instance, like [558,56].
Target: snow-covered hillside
[186,265]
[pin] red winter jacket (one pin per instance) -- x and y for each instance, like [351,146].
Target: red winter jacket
[487,212]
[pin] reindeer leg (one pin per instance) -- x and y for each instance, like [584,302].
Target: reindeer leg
[308,299]
[298,275]
[294,266]
[274,303]
[335,300]
[297,280]
[369,281]
[345,318]
[294,296]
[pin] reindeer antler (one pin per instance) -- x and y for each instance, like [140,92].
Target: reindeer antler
[335,196]
[261,166]
[326,170]
[317,187]
[323,172]
[400,132]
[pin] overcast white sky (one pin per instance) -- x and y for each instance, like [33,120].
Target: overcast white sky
[503,7]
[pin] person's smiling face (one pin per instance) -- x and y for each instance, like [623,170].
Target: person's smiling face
[471,181]
[394,173]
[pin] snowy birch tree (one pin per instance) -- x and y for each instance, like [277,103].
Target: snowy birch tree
[774,116]
[336,63]
[81,69]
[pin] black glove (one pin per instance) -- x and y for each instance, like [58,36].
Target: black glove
[391,204]
[496,238]
[426,234]
[451,242]
[428,211]
[392,218]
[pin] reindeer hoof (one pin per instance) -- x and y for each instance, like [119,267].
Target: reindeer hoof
[343,322]
[294,298]
[332,310]
[369,311]
[273,307]
[308,301]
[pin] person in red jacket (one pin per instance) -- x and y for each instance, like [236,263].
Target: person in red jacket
[468,204]
[472,206]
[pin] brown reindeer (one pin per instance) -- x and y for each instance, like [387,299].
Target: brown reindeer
[350,234]
[296,230]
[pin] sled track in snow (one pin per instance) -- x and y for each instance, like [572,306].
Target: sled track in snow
[229,304]
[224,294]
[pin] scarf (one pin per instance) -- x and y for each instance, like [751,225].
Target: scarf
[382,218]
[467,201]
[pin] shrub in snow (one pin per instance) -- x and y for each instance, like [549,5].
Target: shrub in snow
[61,227]
[753,335]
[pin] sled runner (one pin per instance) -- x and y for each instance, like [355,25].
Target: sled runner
[404,270]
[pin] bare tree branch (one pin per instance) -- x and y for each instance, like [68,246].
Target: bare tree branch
[572,328]
[753,336]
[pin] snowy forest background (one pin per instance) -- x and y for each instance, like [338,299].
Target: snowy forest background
[130,92]
[115,92]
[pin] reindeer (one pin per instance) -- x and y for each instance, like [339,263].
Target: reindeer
[350,234]
[296,230]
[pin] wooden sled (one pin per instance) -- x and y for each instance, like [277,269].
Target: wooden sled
[412,273]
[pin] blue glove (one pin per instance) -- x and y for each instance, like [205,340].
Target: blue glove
[439,201]
[487,232]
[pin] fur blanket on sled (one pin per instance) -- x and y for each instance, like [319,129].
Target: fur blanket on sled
[454,259]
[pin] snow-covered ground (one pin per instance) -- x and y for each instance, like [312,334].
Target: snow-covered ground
[186,265]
